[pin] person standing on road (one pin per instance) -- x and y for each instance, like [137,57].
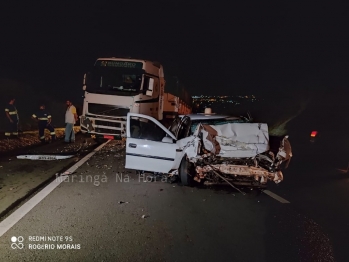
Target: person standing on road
[12,116]
[44,121]
[71,117]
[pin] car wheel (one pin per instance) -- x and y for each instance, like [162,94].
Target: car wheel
[184,169]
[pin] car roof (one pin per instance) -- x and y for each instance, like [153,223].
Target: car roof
[209,117]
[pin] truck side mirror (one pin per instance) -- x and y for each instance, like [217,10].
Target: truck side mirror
[84,83]
[150,87]
[151,84]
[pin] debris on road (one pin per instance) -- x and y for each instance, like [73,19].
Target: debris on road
[145,216]
[43,157]
[217,174]
[122,202]
[28,138]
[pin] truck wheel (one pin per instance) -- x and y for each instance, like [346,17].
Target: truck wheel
[100,140]
[184,168]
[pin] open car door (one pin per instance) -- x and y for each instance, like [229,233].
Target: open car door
[149,145]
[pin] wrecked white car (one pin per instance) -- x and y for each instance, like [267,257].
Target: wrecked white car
[236,153]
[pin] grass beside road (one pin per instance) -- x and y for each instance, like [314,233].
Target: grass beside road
[29,138]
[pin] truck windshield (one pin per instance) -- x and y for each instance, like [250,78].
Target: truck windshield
[104,80]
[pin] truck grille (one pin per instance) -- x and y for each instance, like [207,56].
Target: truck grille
[107,131]
[107,110]
[107,123]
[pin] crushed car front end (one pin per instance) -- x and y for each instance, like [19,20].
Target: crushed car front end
[237,154]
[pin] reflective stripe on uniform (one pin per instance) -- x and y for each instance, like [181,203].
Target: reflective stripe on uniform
[49,116]
[13,113]
[42,137]
[7,134]
[44,118]
[7,110]
[15,133]
[34,115]
[52,133]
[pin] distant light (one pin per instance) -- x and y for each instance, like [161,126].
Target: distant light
[313,134]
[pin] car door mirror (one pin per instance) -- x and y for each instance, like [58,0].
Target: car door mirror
[167,139]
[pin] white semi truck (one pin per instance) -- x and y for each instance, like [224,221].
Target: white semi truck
[117,86]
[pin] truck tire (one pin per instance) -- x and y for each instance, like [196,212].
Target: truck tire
[185,177]
[100,140]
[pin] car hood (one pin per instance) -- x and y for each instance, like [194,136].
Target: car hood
[235,139]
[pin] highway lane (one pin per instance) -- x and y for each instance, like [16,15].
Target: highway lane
[317,188]
[19,177]
[114,215]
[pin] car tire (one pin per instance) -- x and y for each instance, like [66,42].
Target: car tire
[185,177]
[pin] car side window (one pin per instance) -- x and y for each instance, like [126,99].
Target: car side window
[182,132]
[143,128]
[174,126]
[184,128]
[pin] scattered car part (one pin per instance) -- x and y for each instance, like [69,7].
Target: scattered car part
[43,157]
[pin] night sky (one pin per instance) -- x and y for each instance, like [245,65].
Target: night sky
[214,48]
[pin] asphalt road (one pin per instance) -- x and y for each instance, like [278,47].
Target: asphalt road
[19,177]
[317,184]
[111,214]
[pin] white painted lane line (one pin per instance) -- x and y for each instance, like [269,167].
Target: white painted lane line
[11,220]
[275,196]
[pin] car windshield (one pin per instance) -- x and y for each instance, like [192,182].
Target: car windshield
[195,123]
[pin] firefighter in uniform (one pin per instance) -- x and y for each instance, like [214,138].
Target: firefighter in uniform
[44,121]
[12,116]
